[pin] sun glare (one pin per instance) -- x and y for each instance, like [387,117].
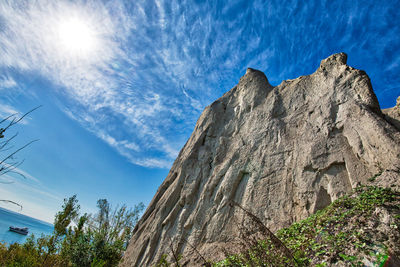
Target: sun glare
[77,37]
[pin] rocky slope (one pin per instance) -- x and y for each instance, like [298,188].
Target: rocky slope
[282,152]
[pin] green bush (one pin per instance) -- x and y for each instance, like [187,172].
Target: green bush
[332,234]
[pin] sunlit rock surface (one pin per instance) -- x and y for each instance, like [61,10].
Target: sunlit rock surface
[281,152]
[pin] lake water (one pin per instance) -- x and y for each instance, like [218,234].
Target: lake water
[9,218]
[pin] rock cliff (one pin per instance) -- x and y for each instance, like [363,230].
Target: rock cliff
[282,152]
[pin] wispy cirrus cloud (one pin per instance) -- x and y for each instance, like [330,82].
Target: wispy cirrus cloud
[8,110]
[156,64]
[9,177]
[7,82]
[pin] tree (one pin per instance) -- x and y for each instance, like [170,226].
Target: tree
[112,230]
[62,220]
[9,163]
[100,239]
[115,224]
[76,246]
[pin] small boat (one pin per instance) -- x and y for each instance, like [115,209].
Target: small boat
[22,231]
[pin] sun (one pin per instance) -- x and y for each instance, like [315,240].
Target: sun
[76,36]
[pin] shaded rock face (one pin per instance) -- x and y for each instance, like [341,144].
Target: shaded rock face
[281,152]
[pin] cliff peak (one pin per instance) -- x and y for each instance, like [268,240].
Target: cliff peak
[335,59]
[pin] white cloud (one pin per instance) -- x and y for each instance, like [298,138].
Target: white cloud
[7,82]
[153,162]
[17,172]
[7,110]
[130,145]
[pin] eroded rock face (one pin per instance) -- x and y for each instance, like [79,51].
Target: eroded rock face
[281,152]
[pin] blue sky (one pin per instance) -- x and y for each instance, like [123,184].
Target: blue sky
[122,83]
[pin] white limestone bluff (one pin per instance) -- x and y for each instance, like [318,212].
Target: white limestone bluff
[282,152]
